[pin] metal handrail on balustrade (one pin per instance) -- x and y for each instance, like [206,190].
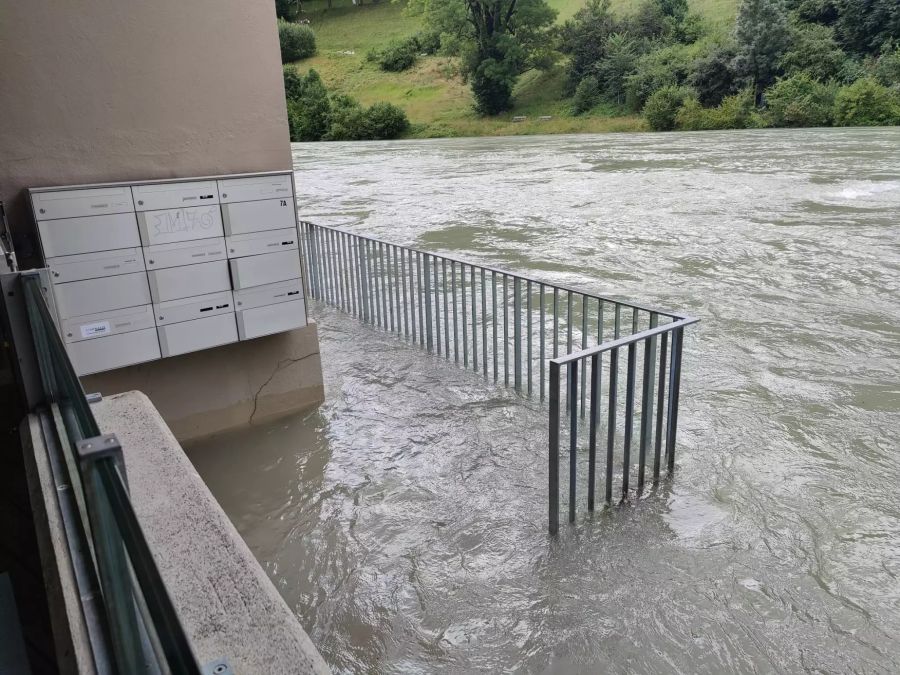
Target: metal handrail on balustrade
[131,623]
[524,329]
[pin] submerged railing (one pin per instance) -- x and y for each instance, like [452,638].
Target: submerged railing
[129,618]
[533,336]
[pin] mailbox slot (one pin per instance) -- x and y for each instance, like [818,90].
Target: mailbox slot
[188,309]
[183,282]
[257,243]
[184,253]
[254,188]
[96,326]
[270,294]
[191,336]
[284,316]
[175,195]
[81,202]
[95,265]
[269,214]
[93,296]
[115,351]
[257,270]
[88,234]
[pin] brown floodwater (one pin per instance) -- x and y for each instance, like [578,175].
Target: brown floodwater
[404,520]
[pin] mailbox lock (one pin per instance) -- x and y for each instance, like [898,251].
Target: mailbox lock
[140,202]
[224,194]
[42,210]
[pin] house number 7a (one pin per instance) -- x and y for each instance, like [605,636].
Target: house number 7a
[284,202]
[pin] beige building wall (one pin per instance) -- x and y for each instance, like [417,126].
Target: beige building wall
[106,90]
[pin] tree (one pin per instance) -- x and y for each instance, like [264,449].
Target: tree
[800,101]
[762,35]
[713,77]
[584,38]
[867,26]
[813,50]
[621,57]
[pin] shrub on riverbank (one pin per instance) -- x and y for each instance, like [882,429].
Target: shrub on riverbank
[297,41]
[866,103]
[316,115]
[800,101]
[663,106]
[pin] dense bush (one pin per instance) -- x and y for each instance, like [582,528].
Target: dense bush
[665,67]
[308,106]
[866,103]
[587,95]
[293,83]
[427,41]
[384,121]
[663,105]
[397,56]
[297,41]
[735,112]
[799,101]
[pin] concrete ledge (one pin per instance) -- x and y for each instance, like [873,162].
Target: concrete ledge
[227,604]
[228,387]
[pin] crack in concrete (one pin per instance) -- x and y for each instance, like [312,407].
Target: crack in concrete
[284,363]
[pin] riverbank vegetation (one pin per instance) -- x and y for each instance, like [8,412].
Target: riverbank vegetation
[471,67]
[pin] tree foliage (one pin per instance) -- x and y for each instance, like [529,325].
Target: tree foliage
[762,34]
[866,103]
[800,101]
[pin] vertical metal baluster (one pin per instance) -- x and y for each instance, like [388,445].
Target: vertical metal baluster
[321,263]
[413,286]
[304,263]
[505,331]
[494,322]
[363,281]
[392,326]
[335,270]
[647,399]
[420,291]
[347,273]
[455,312]
[629,419]
[573,435]
[634,320]
[592,438]
[660,399]
[326,286]
[376,296]
[393,290]
[517,334]
[543,339]
[446,311]
[555,322]
[339,258]
[427,290]
[437,304]
[618,321]
[553,491]
[674,392]
[465,332]
[399,284]
[475,319]
[484,350]
[370,282]
[385,288]
[584,342]
[569,323]
[528,301]
[345,268]
[403,288]
[354,270]
[611,421]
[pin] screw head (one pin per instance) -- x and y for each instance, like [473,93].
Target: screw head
[140,202]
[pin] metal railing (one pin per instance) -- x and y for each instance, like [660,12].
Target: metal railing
[130,620]
[516,330]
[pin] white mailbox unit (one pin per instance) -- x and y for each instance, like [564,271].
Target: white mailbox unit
[146,270]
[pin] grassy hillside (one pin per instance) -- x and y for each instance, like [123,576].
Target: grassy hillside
[433,95]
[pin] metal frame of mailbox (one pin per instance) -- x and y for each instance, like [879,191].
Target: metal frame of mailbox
[189,179]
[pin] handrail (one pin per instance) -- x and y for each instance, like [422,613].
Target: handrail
[624,342]
[141,626]
[514,275]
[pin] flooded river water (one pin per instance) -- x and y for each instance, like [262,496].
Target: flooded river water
[405,519]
